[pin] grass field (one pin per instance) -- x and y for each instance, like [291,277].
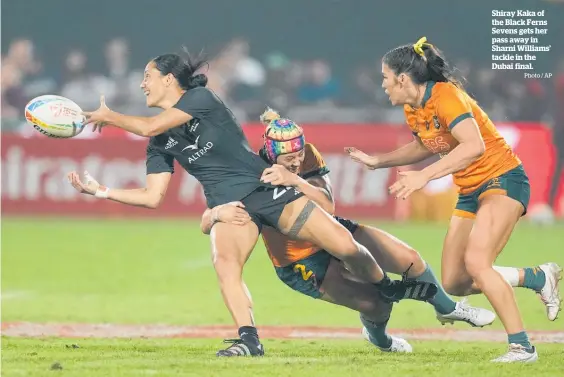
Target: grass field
[134,272]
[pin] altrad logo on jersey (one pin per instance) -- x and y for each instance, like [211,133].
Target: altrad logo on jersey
[200,152]
[192,146]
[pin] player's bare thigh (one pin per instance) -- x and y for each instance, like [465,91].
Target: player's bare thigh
[233,242]
[340,288]
[455,279]
[391,253]
[494,224]
[302,219]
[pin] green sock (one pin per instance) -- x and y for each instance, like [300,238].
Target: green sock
[534,278]
[442,302]
[377,331]
[520,338]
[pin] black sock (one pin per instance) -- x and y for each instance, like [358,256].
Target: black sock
[386,281]
[249,334]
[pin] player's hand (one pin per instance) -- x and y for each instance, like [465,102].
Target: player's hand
[278,175]
[233,213]
[98,117]
[409,182]
[357,155]
[89,187]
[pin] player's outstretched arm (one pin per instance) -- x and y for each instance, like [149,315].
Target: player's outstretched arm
[471,146]
[411,153]
[142,126]
[150,196]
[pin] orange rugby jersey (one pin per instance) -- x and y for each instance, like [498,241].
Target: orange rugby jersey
[443,107]
[281,249]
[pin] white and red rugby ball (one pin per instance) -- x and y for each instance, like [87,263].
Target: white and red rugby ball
[55,116]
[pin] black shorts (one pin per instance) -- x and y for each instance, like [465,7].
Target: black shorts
[265,204]
[351,225]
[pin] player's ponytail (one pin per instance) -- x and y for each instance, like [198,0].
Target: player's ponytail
[438,68]
[268,116]
[422,62]
[183,68]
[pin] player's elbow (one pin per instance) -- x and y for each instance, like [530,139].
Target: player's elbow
[477,149]
[151,131]
[152,204]
[151,128]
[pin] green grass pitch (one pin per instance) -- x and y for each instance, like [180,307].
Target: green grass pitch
[138,272]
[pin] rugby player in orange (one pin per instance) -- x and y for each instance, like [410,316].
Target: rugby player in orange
[309,269]
[494,188]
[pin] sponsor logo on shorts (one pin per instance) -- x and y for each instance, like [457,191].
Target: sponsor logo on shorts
[494,182]
[277,193]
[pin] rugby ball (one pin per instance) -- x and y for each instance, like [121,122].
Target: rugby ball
[55,116]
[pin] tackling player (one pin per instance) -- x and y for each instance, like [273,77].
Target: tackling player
[196,129]
[308,269]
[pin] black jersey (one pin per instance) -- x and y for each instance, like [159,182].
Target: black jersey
[211,147]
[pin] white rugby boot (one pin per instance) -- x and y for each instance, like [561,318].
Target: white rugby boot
[518,354]
[476,317]
[398,344]
[549,294]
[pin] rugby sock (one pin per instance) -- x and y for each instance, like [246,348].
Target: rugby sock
[442,302]
[377,332]
[510,274]
[534,278]
[520,338]
[249,335]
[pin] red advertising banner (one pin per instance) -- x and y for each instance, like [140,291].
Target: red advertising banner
[34,170]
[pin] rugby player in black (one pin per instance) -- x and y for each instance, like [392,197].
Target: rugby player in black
[196,129]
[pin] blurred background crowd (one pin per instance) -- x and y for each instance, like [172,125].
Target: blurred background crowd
[307,90]
[316,61]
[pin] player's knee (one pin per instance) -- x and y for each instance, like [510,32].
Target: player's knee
[227,267]
[454,286]
[346,246]
[476,263]
[418,265]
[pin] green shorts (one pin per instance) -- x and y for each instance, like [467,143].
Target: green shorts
[514,184]
[306,275]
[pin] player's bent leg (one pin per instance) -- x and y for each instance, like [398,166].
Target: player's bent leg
[396,256]
[303,219]
[542,279]
[456,280]
[231,247]
[495,221]
[375,314]
[391,253]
